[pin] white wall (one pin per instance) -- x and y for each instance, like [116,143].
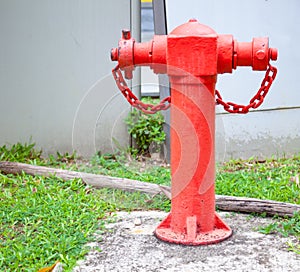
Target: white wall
[55,80]
[260,133]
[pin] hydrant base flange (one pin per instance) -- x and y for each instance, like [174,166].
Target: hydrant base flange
[194,236]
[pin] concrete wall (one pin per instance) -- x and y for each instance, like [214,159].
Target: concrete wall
[274,128]
[55,81]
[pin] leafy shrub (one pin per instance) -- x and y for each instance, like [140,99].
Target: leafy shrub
[145,129]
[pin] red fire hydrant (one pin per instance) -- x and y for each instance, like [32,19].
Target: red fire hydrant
[192,55]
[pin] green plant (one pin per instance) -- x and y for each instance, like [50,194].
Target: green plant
[295,247]
[20,153]
[62,160]
[285,226]
[145,129]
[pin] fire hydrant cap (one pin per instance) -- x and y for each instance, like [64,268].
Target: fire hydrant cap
[186,46]
[192,28]
[273,53]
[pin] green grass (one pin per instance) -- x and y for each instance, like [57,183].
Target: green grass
[43,220]
[25,153]
[273,179]
[46,219]
[124,166]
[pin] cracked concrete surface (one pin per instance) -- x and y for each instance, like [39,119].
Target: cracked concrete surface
[129,245]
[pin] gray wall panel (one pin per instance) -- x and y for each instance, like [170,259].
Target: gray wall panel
[55,73]
[263,133]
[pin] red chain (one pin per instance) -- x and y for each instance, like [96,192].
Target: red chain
[164,104]
[257,99]
[133,100]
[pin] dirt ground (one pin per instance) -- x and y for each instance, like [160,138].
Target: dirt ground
[129,245]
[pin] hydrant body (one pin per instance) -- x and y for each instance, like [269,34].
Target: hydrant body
[193,48]
[192,55]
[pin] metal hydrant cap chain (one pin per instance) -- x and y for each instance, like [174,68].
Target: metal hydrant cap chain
[164,104]
[133,100]
[257,99]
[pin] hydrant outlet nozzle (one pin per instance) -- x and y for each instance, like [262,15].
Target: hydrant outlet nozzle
[256,54]
[114,54]
[273,52]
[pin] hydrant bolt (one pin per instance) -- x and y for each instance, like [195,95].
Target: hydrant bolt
[260,54]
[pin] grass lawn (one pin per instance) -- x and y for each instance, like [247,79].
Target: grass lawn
[43,220]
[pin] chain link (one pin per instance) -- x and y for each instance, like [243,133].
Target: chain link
[164,104]
[257,99]
[133,100]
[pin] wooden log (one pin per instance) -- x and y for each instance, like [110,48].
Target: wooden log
[254,205]
[250,205]
[226,203]
[97,181]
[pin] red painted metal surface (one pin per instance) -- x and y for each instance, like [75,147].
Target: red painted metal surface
[192,221]
[192,55]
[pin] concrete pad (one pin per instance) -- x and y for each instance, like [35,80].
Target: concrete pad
[129,245]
